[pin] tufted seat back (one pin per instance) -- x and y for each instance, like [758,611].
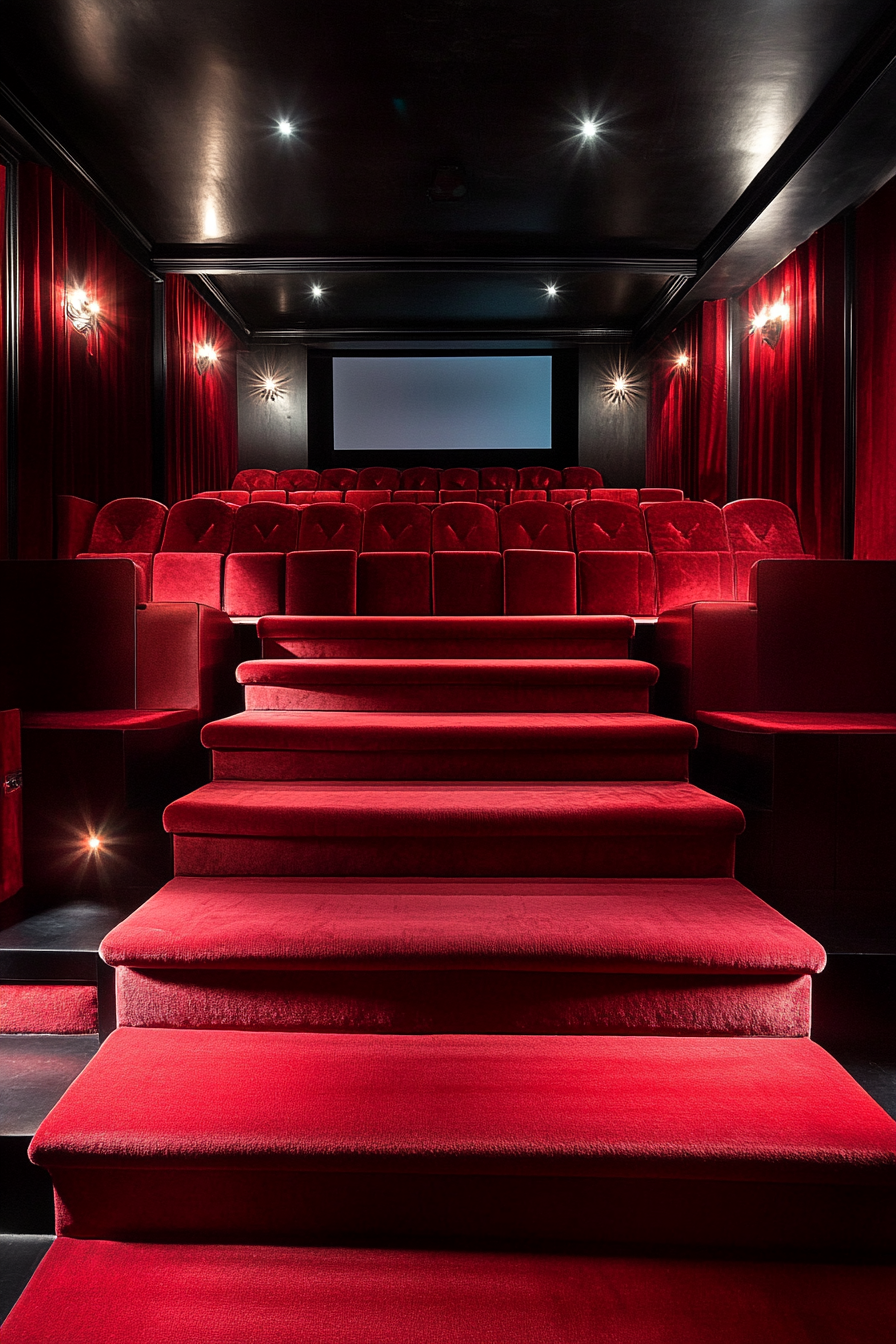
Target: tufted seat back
[379,478]
[338,478]
[540,478]
[297,478]
[128,525]
[533,525]
[603,525]
[498,478]
[330,527]
[582,478]
[199,525]
[255,478]
[459,478]
[465,527]
[265,527]
[420,478]
[687,525]
[764,525]
[397,527]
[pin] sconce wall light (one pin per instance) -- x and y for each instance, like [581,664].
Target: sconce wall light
[618,389]
[206,357]
[269,385]
[82,311]
[682,361]
[768,323]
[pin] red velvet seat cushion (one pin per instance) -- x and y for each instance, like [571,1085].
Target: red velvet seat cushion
[458,495]
[379,478]
[539,582]
[255,478]
[608,525]
[128,525]
[142,564]
[237,497]
[330,527]
[778,721]
[660,494]
[459,478]
[322,582]
[568,496]
[395,582]
[467,583]
[617,581]
[420,478]
[254,582]
[692,576]
[365,499]
[535,525]
[314,497]
[194,576]
[528,496]
[397,527]
[415,497]
[275,496]
[338,478]
[199,525]
[494,498]
[575,478]
[298,478]
[540,478]
[618,496]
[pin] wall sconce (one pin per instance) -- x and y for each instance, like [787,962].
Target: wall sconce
[206,357]
[269,385]
[618,389]
[82,311]
[769,322]
[682,362]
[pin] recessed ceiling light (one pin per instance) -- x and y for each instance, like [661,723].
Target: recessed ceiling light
[589,128]
[551,291]
[317,291]
[285,127]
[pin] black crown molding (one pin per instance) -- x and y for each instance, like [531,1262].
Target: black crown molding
[215,260]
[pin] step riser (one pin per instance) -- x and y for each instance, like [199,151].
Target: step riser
[485,1001]
[450,856]
[494,764]
[226,1204]
[446,648]
[454,698]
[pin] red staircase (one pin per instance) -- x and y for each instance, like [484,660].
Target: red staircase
[486,1045]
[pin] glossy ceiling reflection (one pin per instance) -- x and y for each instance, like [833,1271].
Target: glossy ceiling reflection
[436,174]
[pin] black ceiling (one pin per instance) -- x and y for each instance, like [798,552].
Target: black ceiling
[727,130]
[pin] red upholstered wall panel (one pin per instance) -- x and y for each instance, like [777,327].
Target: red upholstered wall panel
[688,408]
[201,407]
[84,406]
[875,537]
[791,410]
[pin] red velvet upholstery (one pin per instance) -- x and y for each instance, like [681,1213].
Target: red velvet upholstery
[365,499]
[498,478]
[238,497]
[690,543]
[461,681]
[467,583]
[265,527]
[617,581]
[464,526]
[255,478]
[660,494]
[298,478]
[268,497]
[535,524]
[397,527]
[539,582]
[74,522]
[540,478]
[759,529]
[326,527]
[782,721]
[524,496]
[86,1291]
[142,564]
[254,580]
[415,497]
[314,497]
[575,478]
[618,496]
[61,1010]
[568,497]
[458,495]
[199,525]
[338,478]
[420,478]
[322,582]
[459,478]
[395,582]
[605,525]
[127,525]
[765,1142]
[494,498]
[379,478]
[188,576]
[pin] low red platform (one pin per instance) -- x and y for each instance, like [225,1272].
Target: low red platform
[699,957]
[210,1135]
[786,721]
[321,744]
[456,685]
[135,1293]
[366,828]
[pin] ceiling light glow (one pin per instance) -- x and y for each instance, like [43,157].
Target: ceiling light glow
[589,129]
[285,127]
[551,291]
[317,291]
[94,843]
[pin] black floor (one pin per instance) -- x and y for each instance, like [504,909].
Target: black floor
[19,1258]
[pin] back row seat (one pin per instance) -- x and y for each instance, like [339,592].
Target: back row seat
[418,478]
[365,499]
[462,558]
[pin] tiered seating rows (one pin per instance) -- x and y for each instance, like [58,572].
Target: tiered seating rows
[365,499]
[418,478]
[461,558]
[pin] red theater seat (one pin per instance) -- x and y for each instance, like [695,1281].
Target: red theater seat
[379,478]
[74,522]
[314,497]
[457,495]
[298,478]
[254,570]
[540,478]
[394,564]
[616,569]
[577,478]
[321,575]
[130,529]
[498,478]
[415,497]
[338,478]
[760,529]
[190,565]
[539,566]
[690,546]
[619,496]
[660,494]
[365,499]
[459,478]
[467,572]
[268,497]
[568,496]
[528,496]
[255,478]
[420,478]
[496,499]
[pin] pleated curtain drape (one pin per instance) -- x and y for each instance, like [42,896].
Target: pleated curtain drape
[687,411]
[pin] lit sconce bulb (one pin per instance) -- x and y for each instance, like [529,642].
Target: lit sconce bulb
[82,311]
[285,127]
[317,291]
[78,297]
[620,386]
[94,843]
[269,385]
[769,322]
[682,361]
[93,307]
[206,356]
[589,129]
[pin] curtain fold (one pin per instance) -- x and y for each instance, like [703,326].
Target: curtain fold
[687,431]
[84,401]
[875,534]
[202,452]
[791,408]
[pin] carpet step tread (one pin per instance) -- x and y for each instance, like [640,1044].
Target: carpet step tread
[138,1293]
[288,672]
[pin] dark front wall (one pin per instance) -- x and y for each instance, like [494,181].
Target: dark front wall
[273,433]
[612,435]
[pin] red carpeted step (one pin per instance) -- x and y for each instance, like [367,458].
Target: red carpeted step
[63,1010]
[214,1135]
[321,744]
[455,685]
[688,957]
[446,636]
[136,1293]
[477,829]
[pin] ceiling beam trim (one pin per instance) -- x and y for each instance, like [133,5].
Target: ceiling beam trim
[580,334]
[213,261]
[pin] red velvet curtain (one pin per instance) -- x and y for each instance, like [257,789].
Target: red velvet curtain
[687,431]
[791,409]
[201,407]
[85,402]
[875,535]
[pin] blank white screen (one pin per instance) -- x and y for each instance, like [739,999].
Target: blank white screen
[439,404]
